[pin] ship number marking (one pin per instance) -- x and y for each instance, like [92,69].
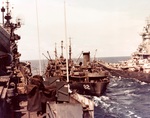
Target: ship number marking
[86,86]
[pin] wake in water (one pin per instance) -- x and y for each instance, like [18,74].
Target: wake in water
[125,98]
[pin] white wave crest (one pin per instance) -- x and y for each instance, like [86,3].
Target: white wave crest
[143,83]
[114,85]
[131,114]
[101,101]
[128,91]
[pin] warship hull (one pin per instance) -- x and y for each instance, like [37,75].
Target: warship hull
[95,86]
[138,75]
[4,42]
[143,77]
[88,88]
[5,54]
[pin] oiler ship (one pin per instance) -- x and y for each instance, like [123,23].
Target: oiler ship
[23,95]
[85,77]
[138,66]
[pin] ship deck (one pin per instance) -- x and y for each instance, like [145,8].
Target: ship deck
[20,108]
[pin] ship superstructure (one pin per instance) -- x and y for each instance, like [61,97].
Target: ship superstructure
[138,66]
[140,59]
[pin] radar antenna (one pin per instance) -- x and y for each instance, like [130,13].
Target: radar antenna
[8,16]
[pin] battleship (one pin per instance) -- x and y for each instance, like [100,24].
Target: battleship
[85,77]
[138,66]
[23,95]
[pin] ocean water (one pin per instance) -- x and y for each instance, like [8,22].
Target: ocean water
[124,97]
[114,59]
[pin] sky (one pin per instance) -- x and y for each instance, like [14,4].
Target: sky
[111,27]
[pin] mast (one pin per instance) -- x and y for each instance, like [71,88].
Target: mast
[40,68]
[70,49]
[3,10]
[48,55]
[65,22]
[62,49]
[146,33]
[8,16]
[55,51]
[95,55]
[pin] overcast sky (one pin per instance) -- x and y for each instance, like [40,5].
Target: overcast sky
[110,26]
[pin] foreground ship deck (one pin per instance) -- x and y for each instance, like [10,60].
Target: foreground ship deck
[77,107]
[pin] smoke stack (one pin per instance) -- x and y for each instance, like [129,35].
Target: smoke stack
[86,58]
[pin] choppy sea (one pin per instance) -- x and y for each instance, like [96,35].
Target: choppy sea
[124,97]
